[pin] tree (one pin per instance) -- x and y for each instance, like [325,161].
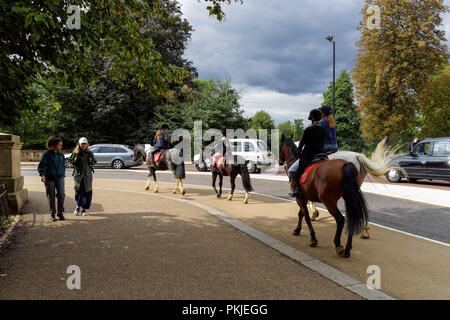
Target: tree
[435,101]
[348,131]
[262,120]
[299,128]
[395,61]
[37,41]
[216,104]
[286,128]
[108,111]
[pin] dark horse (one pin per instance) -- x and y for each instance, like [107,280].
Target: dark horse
[170,159]
[232,166]
[327,183]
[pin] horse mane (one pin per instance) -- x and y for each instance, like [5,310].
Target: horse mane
[290,144]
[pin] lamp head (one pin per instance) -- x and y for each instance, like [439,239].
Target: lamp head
[329,38]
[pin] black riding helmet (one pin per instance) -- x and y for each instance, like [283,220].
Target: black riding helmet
[164,126]
[315,115]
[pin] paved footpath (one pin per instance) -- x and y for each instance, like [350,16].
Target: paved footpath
[136,246]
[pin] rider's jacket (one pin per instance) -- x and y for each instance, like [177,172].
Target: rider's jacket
[312,142]
[222,147]
[164,142]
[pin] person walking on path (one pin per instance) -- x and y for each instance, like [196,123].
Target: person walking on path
[328,122]
[83,159]
[52,170]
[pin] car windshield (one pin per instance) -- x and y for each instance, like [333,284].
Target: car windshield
[262,146]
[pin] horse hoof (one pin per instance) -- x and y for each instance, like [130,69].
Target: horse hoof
[365,236]
[146,188]
[296,233]
[340,251]
[218,195]
[230,198]
[314,243]
[315,215]
[183,192]
[246,201]
[155,191]
[174,192]
[345,255]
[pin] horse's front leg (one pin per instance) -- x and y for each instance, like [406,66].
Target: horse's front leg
[303,204]
[214,178]
[156,182]
[147,186]
[220,185]
[299,225]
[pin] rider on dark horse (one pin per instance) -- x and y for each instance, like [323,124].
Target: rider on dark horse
[222,148]
[161,141]
[312,144]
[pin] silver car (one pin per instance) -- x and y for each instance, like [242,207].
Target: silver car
[117,156]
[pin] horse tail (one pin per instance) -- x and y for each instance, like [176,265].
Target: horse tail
[355,202]
[180,172]
[380,161]
[243,171]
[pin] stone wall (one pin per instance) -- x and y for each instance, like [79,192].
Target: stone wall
[10,173]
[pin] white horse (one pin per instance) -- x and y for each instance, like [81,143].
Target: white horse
[378,165]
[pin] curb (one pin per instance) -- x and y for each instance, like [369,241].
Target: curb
[9,230]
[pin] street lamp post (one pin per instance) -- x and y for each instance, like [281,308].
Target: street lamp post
[330,38]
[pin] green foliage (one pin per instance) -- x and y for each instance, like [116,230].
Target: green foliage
[348,131]
[435,101]
[36,41]
[262,120]
[216,104]
[286,128]
[299,128]
[395,61]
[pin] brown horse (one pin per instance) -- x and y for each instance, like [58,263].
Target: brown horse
[232,166]
[170,159]
[327,183]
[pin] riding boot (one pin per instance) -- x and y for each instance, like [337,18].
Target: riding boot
[293,176]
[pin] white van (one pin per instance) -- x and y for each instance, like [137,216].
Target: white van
[255,151]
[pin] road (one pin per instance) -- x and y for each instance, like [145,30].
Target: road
[416,218]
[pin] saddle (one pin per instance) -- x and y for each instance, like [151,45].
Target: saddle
[155,157]
[318,159]
[217,162]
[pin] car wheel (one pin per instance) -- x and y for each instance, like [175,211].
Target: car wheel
[202,168]
[393,176]
[252,168]
[68,164]
[117,164]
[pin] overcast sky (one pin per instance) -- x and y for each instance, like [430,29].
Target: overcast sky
[274,51]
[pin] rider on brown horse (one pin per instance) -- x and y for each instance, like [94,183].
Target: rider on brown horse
[311,145]
[161,141]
